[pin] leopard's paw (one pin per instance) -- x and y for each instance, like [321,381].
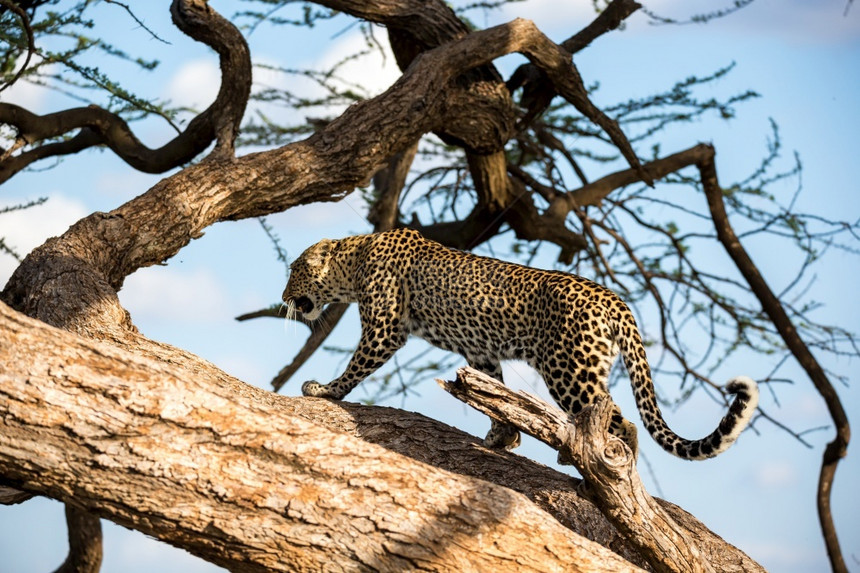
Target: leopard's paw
[502,437]
[313,388]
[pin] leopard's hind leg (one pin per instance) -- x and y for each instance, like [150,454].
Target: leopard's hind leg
[576,369]
[501,435]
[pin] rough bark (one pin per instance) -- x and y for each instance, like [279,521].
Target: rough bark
[236,479]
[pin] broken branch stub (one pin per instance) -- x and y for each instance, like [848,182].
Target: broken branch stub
[607,465]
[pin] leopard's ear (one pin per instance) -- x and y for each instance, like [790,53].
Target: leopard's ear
[319,254]
[325,247]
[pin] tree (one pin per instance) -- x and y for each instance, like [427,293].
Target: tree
[515,140]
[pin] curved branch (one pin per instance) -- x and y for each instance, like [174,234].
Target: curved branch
[202,23]
[593,193]
[220,121]
[838,448]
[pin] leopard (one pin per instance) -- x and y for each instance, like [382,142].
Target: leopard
[566,327]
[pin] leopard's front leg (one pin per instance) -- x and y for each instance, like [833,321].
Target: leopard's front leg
[373,351]
[383,332]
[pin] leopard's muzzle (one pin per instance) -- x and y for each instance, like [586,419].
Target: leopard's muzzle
[304,304]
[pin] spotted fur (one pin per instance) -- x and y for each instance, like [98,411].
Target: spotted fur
[566,327]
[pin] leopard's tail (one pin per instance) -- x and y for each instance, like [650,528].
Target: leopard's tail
[740,412]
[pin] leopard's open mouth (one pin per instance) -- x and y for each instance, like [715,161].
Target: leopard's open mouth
[304,304]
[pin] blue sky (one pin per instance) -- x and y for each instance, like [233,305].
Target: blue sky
[803,57]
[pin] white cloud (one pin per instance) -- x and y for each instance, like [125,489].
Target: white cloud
[161,293]
[776,473]
[195,84]
[26,229]
[374,72]
[27,95]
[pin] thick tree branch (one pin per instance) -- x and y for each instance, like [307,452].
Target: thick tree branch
[198,446]
[225,472]
[838,448]
[219,122]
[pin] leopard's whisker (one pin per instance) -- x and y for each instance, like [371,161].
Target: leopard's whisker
[289,315]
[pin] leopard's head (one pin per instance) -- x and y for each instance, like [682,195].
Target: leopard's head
[308,288]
